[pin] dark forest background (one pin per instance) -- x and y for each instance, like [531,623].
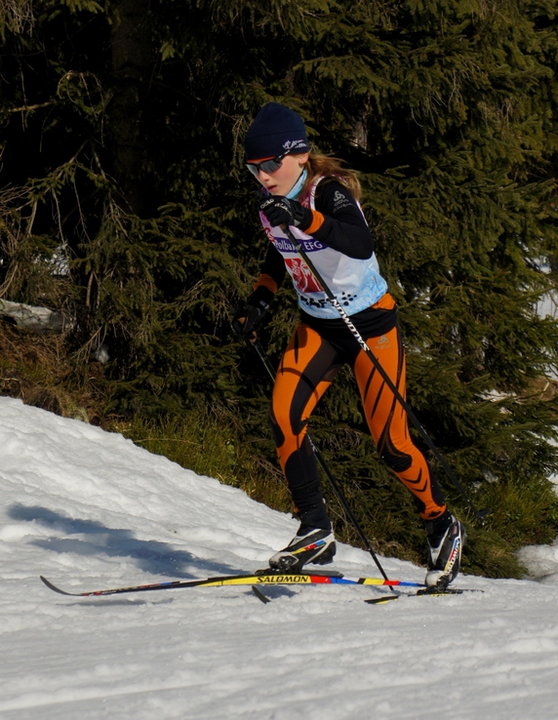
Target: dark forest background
[126,208]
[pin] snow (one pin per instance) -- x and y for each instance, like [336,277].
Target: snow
[90,510]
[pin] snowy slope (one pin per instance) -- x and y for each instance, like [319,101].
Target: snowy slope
[89,509]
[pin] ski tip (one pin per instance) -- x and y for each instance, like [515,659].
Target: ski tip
[381,600]
[53,587]
[259,594]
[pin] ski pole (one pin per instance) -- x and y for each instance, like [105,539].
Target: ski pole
[331,479]
[360,340]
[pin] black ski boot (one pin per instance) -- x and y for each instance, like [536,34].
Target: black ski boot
[309,545]
[446,536]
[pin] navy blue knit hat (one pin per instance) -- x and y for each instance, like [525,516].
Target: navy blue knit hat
[275,130]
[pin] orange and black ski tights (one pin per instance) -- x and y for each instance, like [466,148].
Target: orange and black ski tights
[307,369]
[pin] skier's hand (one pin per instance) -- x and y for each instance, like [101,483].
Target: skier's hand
[280,210]
[250,314]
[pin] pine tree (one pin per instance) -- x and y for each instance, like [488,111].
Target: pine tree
[123,150]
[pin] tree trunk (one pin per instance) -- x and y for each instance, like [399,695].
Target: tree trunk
[132,56]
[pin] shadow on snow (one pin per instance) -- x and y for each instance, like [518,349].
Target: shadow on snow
[150,555]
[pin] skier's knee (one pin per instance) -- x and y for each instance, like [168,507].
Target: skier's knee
[398,462]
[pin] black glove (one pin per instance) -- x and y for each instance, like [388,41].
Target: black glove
[249,314]
[282,211]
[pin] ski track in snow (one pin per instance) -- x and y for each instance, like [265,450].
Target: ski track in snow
[89,509]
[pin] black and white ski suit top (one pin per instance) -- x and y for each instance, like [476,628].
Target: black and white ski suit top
[341,247]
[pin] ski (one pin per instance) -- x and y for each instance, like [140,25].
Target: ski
[262,577]
[423,592]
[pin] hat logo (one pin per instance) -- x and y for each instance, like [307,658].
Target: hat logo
[293,144]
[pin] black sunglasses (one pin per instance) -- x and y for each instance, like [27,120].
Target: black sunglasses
[268,166]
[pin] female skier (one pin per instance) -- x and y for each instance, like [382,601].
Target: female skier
[315,199]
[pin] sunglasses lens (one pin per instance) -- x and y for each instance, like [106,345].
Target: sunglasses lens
[270,166]
[267,166]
